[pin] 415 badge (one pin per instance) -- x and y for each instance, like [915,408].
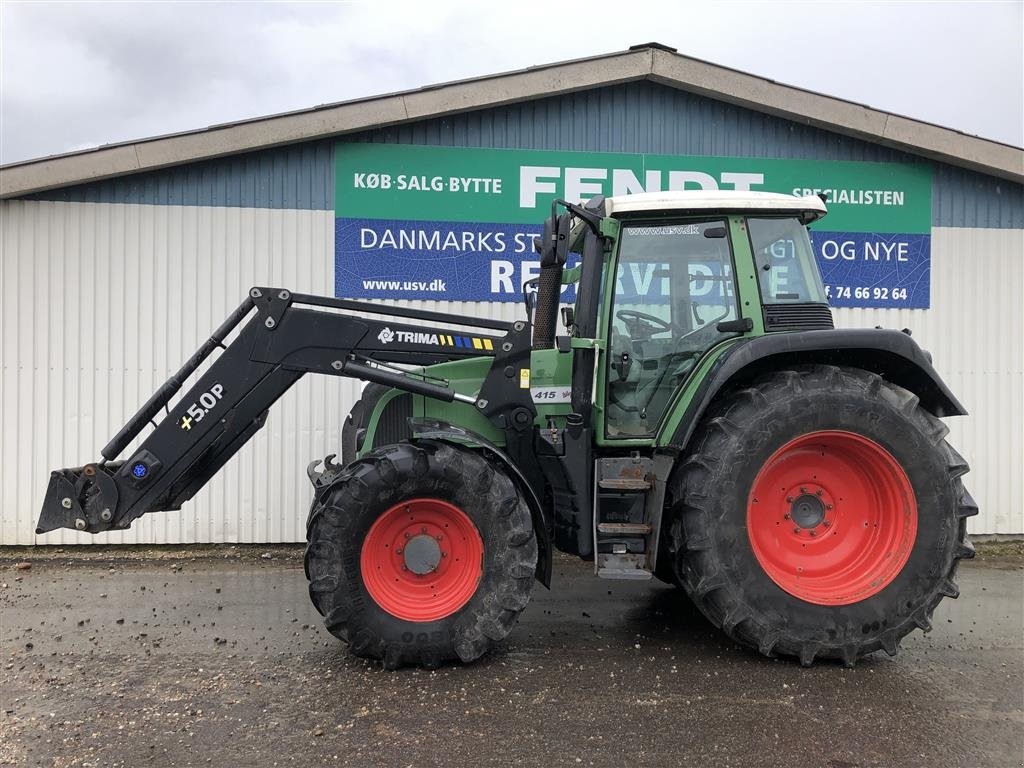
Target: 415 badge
[203,405]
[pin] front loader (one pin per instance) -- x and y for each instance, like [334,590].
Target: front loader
[699,421]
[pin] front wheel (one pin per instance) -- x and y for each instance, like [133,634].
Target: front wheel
[820,514]
[418,554]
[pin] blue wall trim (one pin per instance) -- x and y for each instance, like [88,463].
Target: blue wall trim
[635,117]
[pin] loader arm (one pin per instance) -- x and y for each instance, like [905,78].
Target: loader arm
[286,336]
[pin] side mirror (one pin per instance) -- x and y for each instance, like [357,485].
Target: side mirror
[545,244]
[568,318]
[553,244]
[530,297]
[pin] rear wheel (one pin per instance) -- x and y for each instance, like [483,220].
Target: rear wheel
[820,513]
[422,553]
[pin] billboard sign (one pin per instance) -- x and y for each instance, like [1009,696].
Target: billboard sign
[457,224]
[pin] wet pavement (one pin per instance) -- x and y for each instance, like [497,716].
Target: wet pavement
[225,663]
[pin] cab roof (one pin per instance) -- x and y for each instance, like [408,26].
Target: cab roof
[811,207]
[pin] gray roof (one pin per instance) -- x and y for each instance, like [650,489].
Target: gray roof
[650,61]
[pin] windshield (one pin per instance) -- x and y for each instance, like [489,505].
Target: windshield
[785,261]
[673,285]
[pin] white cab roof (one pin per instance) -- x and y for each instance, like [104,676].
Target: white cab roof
[700,201]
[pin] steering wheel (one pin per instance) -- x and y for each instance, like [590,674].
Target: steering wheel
[641,324]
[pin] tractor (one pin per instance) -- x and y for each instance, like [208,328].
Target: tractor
[697,420]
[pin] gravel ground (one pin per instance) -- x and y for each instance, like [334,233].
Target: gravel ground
[213,656]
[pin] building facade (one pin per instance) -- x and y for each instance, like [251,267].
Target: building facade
[118,262]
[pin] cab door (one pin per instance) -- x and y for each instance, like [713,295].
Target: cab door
[674,283]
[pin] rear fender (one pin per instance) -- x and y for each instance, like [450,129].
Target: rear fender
[893,355]
[432,429]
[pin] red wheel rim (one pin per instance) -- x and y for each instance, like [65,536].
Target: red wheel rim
[422,560]
[832,517]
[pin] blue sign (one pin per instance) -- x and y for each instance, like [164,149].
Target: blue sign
[442,261]
[874,270]
[459,261]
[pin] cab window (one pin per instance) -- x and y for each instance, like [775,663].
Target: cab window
[785,261]
[673,285]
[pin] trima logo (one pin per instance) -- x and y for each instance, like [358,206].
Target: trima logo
[387,336]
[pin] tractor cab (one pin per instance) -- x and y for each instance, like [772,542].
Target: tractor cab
[666,283]
[682,274]
[684,284]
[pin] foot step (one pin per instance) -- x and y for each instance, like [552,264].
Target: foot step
[622,566]
[634,529]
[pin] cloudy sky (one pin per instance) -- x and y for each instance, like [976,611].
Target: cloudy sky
[76,75]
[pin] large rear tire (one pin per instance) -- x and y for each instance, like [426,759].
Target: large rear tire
[819,514]
[419,554]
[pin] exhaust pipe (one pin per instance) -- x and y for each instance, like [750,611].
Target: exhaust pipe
[549,293]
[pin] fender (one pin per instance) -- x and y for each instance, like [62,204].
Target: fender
[432,429]
[891,354]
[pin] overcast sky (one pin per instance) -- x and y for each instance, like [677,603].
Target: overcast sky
[76,75]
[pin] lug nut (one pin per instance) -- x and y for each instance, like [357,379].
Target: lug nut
[785,516]
[444,554]
[789,499]
[813,533]
[796,531]
[820,492]
[803,490]
[398,550]
[828,506]
[826,523]
[408,535]
[439,537]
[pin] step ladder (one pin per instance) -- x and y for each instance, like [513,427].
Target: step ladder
[627,516]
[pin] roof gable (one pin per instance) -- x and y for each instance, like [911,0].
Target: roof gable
[649,62]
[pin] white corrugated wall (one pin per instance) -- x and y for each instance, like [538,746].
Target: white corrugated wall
[99,303]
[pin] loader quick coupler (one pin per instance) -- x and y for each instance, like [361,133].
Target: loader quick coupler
[331,473]
[83,498]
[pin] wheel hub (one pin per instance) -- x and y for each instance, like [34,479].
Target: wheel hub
[422,554]
[832,517]
[807,511]
[422,559]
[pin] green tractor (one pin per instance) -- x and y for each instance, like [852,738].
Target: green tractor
[699,420]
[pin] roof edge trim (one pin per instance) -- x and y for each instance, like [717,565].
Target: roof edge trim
[651,62]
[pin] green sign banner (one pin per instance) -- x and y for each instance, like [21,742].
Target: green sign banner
[456,224]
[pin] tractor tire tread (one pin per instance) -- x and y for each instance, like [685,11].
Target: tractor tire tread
[718,445]
[343,511]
